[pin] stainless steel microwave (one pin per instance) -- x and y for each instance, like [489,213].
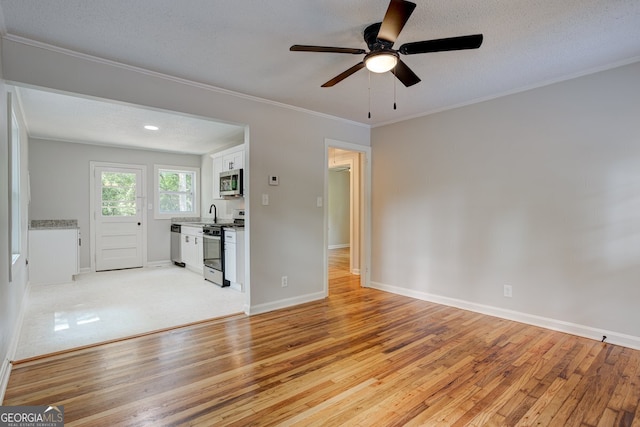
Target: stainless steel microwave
[231,183]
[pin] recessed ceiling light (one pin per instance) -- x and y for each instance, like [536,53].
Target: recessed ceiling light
[151,127]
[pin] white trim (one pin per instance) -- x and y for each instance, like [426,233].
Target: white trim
[96,59]
[515,91]
[155,264]
[365,213]
[92,199]
[340,246]
[17,330]
[283,303]
[530,319]
[156,193]
[5,369]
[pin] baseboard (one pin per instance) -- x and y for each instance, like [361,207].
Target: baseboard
[5,369]
[284,303]
[343,245]
[530,319]
[166,263]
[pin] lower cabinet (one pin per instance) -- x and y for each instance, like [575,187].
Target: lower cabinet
[53,255]
[234,257]
[192,249]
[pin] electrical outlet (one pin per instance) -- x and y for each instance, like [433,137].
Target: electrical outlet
[508,291]
[285,281]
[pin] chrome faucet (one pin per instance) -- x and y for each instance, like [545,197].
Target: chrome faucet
[215,210]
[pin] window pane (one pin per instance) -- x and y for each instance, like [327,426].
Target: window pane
[176,181]
[118,194]
[176,191]
[176,203]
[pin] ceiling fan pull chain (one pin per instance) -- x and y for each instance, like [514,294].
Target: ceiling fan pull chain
[394,87]
[369,94]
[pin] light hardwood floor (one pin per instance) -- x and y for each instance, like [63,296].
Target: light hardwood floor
[359,358]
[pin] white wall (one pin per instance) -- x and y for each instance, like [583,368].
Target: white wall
[538,190]
[12,292]
[287,236]
[60,187]
[338,208]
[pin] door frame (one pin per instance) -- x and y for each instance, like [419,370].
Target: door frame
[92,209]
[365,209]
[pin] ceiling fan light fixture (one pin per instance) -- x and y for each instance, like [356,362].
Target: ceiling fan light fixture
[381,61]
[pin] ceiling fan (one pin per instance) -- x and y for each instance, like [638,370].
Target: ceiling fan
[380,38]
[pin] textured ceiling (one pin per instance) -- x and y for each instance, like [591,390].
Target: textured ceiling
[69,118]
[243,46]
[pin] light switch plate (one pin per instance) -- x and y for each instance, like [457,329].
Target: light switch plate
[265,199]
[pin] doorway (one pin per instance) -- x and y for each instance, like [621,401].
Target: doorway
[118,217]
[347,183]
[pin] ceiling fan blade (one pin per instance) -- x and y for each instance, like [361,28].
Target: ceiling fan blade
[404,74]
[397,15]
[340,77]
[304,48]
[440,45]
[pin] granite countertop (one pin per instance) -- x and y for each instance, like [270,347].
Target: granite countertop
[199,222]
[53,224]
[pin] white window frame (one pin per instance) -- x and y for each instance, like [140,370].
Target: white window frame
[15,196]
[156,190]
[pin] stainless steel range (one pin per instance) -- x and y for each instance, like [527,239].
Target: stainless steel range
[213,252]
[213,240]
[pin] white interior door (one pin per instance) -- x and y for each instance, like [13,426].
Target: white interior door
[118,213]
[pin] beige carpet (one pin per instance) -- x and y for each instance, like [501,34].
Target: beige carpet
[103,306]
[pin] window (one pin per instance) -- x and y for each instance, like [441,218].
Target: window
[118,194]
[16,222]
[176,189]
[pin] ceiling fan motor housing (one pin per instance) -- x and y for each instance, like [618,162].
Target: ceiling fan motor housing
[371,38]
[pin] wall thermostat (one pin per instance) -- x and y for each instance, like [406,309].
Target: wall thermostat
[273,180]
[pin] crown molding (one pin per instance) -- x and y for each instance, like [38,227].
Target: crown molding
[174,79]
[538,85]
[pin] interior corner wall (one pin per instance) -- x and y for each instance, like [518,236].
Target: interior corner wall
[538,190]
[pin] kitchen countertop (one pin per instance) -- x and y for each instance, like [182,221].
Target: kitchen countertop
[202,224]
[53,224]
[199,222]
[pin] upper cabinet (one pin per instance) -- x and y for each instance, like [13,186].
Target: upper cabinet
[234,160]
[229,159]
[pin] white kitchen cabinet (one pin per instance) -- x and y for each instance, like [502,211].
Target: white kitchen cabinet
[53,255]
[217,168]
[234,257]
[192,248]
[231,158]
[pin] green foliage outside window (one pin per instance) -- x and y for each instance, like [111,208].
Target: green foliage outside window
[176,191]
[118,194]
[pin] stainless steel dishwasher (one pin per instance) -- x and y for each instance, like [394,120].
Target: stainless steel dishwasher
[176,245]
